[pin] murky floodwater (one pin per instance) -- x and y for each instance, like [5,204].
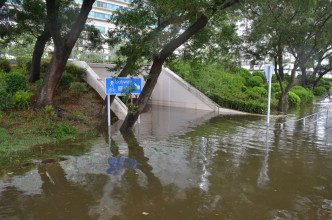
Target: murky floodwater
[200,166]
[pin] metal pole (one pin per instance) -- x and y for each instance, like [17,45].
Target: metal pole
[109,117]
[269,98]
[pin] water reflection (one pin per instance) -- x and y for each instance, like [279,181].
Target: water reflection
[226,168]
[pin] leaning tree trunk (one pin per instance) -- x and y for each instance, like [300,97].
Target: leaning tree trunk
[52,77]
[156,69]
[37,54]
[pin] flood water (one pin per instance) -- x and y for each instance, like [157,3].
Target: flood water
[186,165]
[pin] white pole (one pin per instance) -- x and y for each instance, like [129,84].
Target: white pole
[268,73]
[109,116]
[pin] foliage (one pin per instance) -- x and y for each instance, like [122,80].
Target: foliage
[66,80]
[255,81]
[243,72]
[305,95]
[293,99]
[320,90]
[259,73]
[127,93]
[38,84]
[77,88]
[1,118]
[23,63]
[76,71]
[22,99]
[275,87]
[251,106]
[256,92]
[58,131]
[4,65]
[14,82]
[6,100]
[50,113]
[227,89]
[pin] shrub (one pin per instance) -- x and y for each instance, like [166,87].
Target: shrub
[1,117]
[305,95]
[6,100]
[274,78]
[255,81]
[39,84]
[243,72]
[50,113]
[293,99]
[58,131]
[275,87]
[23,63]
[247,106]
[4,65]
[320,90]
[15,82]
[256,92]
[77,88]
[66,80]
[44,65]
[22,98]
[258,73]
[76,71]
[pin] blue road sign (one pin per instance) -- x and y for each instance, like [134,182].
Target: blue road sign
[116,86]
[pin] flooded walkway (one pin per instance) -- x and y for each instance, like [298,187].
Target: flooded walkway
[185,165]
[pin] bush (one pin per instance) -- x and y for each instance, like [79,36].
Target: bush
[4,65]
[1,117]
[44,65]
[305,95]
[260,74]
[293,99]
[15,82]
[24,63]
[66,80]
[320,90]
[256,92]
[76,71]
[6,100]
[275,87]
[274,78]
[39,84]
[255,81]
[250,106]
[77,88]
[243,72]
[22,99]
[58,131]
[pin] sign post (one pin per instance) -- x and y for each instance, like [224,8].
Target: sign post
[116,86]
[268,73]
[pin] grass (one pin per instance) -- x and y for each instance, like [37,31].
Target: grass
[22,130]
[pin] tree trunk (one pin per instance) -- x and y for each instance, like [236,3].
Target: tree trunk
[144,96]
[52,77]
[304,76]
[37,54]
[63,47]
[156,67]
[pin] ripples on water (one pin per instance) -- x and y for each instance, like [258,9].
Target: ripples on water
[221,169]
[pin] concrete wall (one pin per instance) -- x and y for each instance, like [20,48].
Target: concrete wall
[98,83]
[171,90]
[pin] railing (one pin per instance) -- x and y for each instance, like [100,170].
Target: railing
[316,115]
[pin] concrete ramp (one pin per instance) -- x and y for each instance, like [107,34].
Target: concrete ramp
[170,91]
[97,81]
